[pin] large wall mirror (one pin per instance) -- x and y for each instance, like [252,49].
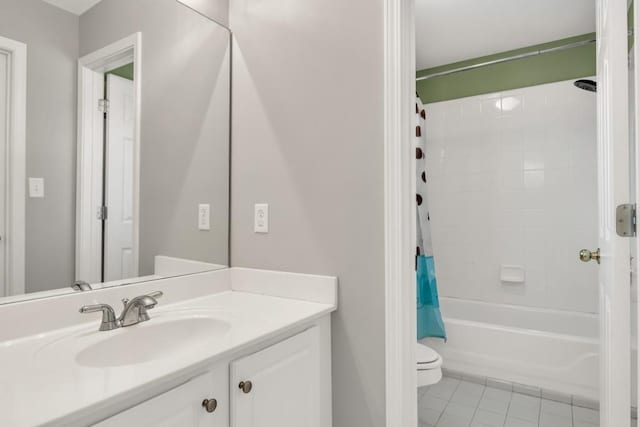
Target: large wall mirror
[114,144]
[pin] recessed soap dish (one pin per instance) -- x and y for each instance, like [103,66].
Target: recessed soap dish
[512,273]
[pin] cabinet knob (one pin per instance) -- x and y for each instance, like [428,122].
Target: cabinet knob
[245,386]
[210,405]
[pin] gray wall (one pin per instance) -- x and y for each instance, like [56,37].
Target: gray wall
[308,139]
[184,123]
[51,35]
[218,10]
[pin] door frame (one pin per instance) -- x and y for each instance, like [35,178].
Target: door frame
[15,170]
[89,181]
[635,143]
[400,218]
[400,333]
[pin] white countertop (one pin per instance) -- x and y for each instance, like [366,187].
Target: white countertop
[41,383]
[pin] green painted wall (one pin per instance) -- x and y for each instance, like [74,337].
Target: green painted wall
[630,25]
[126,71]
[551,67]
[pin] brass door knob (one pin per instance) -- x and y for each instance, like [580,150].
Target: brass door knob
[245,386]
[210,405]
[586,255]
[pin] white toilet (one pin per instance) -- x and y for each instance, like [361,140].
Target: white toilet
[429,365]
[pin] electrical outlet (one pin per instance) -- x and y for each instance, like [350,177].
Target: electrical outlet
[261,218]
[204,217]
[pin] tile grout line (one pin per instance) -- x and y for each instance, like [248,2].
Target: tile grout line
[484,389]
[506,415]
[448,401]
[540,410]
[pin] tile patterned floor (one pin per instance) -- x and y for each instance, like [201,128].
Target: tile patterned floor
[459,403]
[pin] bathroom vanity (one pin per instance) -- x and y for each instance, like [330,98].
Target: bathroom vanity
[127,129]
[235,347]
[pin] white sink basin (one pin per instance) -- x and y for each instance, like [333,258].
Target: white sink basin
[158,338]
[148,341]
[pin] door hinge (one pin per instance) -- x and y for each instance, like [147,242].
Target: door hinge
[103,105]
[626,220]
[102,213]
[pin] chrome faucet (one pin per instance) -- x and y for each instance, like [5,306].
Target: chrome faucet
[134,312]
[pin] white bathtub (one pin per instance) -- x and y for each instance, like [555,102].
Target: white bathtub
[550,349]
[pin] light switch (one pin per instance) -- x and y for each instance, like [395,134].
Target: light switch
[204,217]
[36,187]
[261,218]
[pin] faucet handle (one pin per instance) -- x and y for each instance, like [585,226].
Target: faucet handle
[109,320]
[154,295]
[135,311]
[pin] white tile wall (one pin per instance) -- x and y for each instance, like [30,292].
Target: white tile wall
[512,180]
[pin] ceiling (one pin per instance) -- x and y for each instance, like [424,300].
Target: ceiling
[454,30]
[77,7]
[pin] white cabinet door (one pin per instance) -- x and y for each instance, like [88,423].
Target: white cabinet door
[182,406]
[282,385]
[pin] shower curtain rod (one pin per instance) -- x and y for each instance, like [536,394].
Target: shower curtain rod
[509,58]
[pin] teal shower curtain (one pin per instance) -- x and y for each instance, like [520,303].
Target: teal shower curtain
[430,322]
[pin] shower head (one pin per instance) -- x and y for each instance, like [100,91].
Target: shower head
[588,85]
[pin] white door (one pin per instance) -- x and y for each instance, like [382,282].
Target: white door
[90,184]
[278,386]
[119,226]
[184,406]
[613,183]
[4,121]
